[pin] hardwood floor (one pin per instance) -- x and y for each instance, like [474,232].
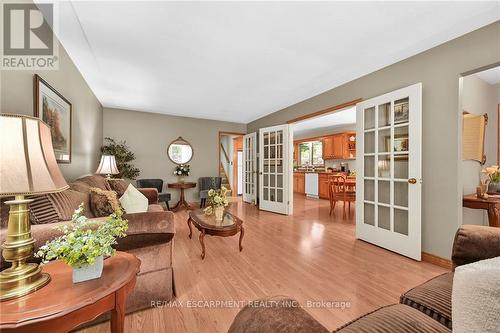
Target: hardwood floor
[310,256]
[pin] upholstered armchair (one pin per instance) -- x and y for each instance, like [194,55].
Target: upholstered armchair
[205,184]
[158,184]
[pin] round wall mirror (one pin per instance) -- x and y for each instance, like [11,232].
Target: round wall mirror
[180,151]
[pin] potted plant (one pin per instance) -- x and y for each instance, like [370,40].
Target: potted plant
[123,156]
[83,246]
[181,171]
[217,200]
[493,173]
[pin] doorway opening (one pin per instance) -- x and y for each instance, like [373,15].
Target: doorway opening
[230,149]
[479,112]
[324,147]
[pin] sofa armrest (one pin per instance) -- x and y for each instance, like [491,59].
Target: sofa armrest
[151,194]
[475,242]
[277,315]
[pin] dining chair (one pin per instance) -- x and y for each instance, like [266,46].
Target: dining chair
[158,184]
[205,184]
[339,190]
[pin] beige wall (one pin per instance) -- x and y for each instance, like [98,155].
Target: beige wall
[439,70]
[479,97]
[149,134]
[16,96]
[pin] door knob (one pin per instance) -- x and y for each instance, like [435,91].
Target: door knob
[412,181]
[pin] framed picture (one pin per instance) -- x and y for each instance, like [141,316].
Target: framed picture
[401,144]
[401,112]
[55,110]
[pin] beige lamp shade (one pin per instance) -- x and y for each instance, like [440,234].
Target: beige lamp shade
[27,161]
[107,165]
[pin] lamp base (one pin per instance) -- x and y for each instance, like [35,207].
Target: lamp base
[21,278]
[19,281]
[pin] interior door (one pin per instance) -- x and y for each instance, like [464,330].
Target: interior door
[275,169]
[250,168]
[389,164]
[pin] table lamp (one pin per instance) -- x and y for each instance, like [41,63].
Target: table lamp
[107,166]
[27,167]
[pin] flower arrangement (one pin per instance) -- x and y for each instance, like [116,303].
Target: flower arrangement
[217,200]
[182,170]
[81,244]
[493,173]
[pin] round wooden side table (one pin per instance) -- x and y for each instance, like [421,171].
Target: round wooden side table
[182,200]
[63,305]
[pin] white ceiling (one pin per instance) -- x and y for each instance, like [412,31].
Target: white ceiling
[329,121]
[492,75]
[238,61]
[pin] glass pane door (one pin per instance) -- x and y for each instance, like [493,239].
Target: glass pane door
[274,148]
[249,168]
[389,166]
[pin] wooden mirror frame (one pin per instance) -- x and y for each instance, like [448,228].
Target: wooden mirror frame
[180,140]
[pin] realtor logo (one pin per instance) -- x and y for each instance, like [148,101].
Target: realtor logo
[28,41]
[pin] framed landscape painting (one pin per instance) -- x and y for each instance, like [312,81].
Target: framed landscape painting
[55,110]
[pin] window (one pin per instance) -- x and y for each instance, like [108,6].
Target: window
[311,153]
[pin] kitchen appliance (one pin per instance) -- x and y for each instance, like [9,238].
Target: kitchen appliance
[344,166]
[311,184]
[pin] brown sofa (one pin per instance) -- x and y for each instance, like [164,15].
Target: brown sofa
[425,308]
[149,237]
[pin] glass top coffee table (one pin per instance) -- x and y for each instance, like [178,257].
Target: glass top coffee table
[207,225]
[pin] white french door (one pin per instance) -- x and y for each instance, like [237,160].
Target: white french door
[250,168]
[389,164]
[275,169]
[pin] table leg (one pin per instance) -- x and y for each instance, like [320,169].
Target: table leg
[189,225]
[494,215]
[202,236]
[242,233]
[118,313]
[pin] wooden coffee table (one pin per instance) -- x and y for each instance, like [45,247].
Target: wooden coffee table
[182,199]
[207,225]
[62,305]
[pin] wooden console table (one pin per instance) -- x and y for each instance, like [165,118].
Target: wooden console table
[182,200]
[62,305]
[492,205]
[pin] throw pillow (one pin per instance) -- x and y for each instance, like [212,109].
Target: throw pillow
[134,201]
[103,203]
[476,297]
[118,185]
[42,211]
[67,201]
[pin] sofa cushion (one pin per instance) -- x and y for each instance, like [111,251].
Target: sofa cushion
[476,297]
[432,298]
[275,314]
[397,318]
[118,185]
[95,181]
[134,201]
[67,201]
[42,211]
[103,203]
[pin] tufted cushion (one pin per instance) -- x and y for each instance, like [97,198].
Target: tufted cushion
[103,203]
[432,298]
[397,318]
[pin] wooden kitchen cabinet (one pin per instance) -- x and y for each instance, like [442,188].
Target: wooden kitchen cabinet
[299,182]
[338,146]
[328,147]
[341,146]
[323,185]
